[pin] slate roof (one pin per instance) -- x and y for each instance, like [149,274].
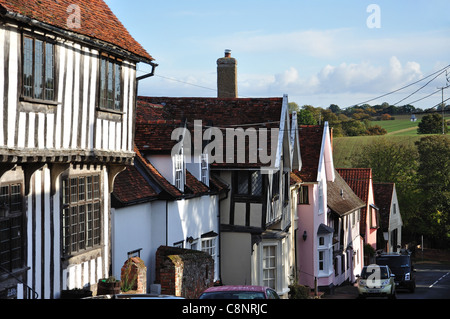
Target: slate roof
[310,137]
[97,20]
[340,197]
[157,117]
[383,193]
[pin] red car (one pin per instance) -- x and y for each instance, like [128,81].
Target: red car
[239,292]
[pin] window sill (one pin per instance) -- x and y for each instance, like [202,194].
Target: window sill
[38,101]
[102,109]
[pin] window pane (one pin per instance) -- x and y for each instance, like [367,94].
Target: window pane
[110,87]
[242,183]
[81,189]
[117,98]
[27,67]
[256,184]
[38,69]
[103,83]
[49,72]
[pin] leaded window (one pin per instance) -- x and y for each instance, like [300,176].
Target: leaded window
[38,81]
[81,213]
[11,227]
[110,84]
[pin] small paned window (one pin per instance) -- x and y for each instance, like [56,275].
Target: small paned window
[38,81]
[81,214]
[110,84]
[12,245]
[249,183]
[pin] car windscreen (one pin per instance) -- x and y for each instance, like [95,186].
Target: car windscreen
[233,295]
[394,261]
[374,273]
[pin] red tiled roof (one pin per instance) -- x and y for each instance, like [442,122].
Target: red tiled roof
[382,193]
[157,117]
[156,175]
[359,180]
[310,137]
[131,187]
[97,20]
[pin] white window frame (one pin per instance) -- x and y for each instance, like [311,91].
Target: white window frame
[204,169]
[265,280]
[179,171]
[327,254]
[209,246]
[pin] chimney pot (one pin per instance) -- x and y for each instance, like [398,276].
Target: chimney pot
[227,53]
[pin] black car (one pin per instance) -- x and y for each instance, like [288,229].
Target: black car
[402,267]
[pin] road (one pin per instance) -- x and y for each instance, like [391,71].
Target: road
[432,282]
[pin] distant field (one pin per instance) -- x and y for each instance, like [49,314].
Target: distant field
[400,130]
[402,125]
[344,148]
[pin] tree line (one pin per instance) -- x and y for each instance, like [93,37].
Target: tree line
[421,172]
[358,120]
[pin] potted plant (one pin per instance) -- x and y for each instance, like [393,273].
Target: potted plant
[108,286]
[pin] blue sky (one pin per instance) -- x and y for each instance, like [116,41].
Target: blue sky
[318,52]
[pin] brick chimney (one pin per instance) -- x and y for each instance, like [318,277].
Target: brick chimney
[227,76]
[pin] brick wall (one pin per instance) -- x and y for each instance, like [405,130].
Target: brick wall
[183,272]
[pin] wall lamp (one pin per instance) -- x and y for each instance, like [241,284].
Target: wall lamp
[305,235]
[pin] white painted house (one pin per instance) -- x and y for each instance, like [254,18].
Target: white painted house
[68,82]
[149,211]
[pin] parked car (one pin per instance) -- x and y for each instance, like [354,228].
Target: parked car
[376,281]
[239,292]
[401,265]
[134,296]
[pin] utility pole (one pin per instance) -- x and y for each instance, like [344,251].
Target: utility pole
[442,105]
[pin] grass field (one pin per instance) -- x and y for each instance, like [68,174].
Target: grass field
[401,130]
[402,125]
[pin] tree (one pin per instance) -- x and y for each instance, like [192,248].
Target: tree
[432,124]
[354,128]
[305,117]
[394,162]
[434,178]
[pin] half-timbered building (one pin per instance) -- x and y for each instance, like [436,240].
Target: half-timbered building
[68,81]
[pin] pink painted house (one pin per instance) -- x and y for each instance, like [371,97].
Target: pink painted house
[315,237]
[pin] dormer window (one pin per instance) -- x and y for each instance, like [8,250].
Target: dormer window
[38,81]
[110,84]
[179,171]
[204,169]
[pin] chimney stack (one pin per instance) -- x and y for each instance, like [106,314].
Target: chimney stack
[227,76]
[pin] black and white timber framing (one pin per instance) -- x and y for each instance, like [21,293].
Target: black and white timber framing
[42,144]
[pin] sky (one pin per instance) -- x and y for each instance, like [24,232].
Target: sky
[317,52]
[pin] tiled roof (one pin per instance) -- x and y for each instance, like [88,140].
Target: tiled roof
[130,187]
[133,185]
[359,180]
[97,20]
[383,193]
[157,117]
[310,137]
[341,198]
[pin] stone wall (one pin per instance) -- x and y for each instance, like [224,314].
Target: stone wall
[183,272]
